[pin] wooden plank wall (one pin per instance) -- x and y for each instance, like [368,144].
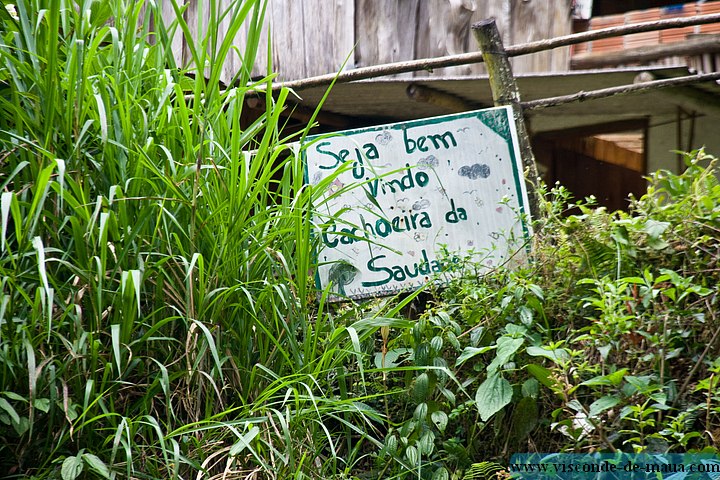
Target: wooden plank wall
[307,37]
[312,37]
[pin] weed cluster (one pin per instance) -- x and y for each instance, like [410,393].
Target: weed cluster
[606,341]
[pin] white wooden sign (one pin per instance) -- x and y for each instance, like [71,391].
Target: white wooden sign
[410,200]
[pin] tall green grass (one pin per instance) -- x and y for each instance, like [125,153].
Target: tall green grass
[157,312]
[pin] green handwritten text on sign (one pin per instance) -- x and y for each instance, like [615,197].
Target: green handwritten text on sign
[408,200]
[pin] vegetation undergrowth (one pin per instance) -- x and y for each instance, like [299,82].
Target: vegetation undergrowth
[158,317]
[607,341]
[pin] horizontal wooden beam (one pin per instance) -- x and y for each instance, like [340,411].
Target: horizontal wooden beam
[451,103]
[691,47]
[637,124]
[620,90]
[692,99]
[304,114]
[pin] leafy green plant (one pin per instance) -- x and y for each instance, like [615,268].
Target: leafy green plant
[638,329]
[157,313]
[588,347]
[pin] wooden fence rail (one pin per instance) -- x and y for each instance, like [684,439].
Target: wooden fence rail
[620,90]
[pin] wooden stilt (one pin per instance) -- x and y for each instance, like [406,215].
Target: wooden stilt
[505,92]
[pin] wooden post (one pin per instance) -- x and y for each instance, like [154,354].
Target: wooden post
[505,92]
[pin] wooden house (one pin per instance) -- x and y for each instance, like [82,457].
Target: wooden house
[601,147]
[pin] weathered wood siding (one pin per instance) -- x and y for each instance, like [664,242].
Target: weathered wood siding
[312,37]
[308,37]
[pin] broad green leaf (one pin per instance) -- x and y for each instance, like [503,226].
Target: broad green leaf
[641,383]
[420,412]
[71,468]
[602,404]
[211,344]
[655,228]
[536,290]
[620,235]
[392,357]
[542,374]
[689,436]
[411,453]
[8,178]
[525,418]
[526,315]
[61,179]
[371,198]
[660,398]
[530,388]
[426,443]
[657,243]
[41,190]
[5,405]
[604,351]
[441,474]
[407,429]
[492,395]
[422,354]
[515,331]
[448,394]
[575,404]
[422,387]
[452,338]
[470,352]
[376,322]
[614,378]
[97,465]
[440,419]
[103,229]
[22,426]
[557,355]
[38,245]
[15,396]
[134,277]
[391,444]
[42,404]
[102,118]
[506,348]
